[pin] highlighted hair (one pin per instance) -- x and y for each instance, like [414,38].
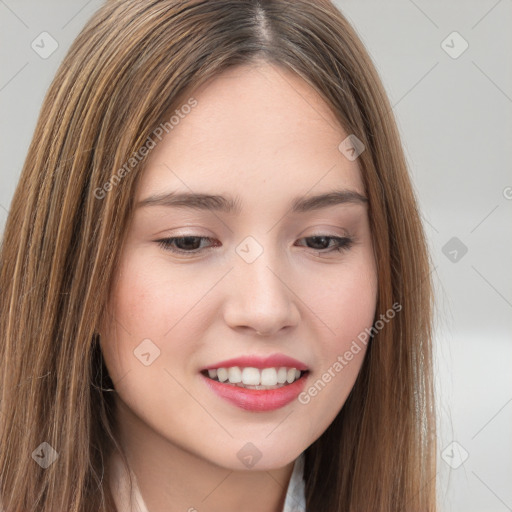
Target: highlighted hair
[129,68]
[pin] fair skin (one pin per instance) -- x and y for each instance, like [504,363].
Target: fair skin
[261,135]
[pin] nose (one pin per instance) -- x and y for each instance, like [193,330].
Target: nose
[261,297]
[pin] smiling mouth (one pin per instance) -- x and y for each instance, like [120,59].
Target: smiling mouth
[255,378]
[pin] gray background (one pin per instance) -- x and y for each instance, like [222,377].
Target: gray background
[455,117]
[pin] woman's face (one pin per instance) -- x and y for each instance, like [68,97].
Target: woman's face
[299,271]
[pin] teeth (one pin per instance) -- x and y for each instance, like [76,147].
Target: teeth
[281,375]
[254,378]
[235,375]
[251,376]
[268,377]
[222,374]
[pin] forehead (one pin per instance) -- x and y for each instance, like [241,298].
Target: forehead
[257,130]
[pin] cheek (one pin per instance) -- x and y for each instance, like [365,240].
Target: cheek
[347,310]
[150,303]
[146,337]
[345,303]
[153,302]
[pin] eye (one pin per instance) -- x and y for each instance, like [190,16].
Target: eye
[183,244]
[190,245]
[322,243]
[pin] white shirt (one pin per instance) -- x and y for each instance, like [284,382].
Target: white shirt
[295,499]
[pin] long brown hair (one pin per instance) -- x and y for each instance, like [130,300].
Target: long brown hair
[133,64]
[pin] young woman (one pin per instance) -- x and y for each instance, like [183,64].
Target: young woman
[215,285]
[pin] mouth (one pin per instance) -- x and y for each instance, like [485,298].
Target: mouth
[257,384]
[259,379]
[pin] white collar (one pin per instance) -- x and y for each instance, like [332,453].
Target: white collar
[295,498]
[295,494]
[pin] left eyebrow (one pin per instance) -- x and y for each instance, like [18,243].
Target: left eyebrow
[308,203]
[229,204]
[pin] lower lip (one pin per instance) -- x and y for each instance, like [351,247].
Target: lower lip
[257,400]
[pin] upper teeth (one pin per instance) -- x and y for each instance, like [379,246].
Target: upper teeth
[255,376]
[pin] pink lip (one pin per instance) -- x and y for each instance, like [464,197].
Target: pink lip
[273,361]
[257,400]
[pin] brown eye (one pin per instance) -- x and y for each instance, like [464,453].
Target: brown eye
[323,243]
[183,244]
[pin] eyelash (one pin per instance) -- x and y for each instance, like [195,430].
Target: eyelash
[343,244]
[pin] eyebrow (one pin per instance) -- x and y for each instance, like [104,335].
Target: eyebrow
[228,204]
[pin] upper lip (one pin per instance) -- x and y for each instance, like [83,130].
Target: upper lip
[270,361]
